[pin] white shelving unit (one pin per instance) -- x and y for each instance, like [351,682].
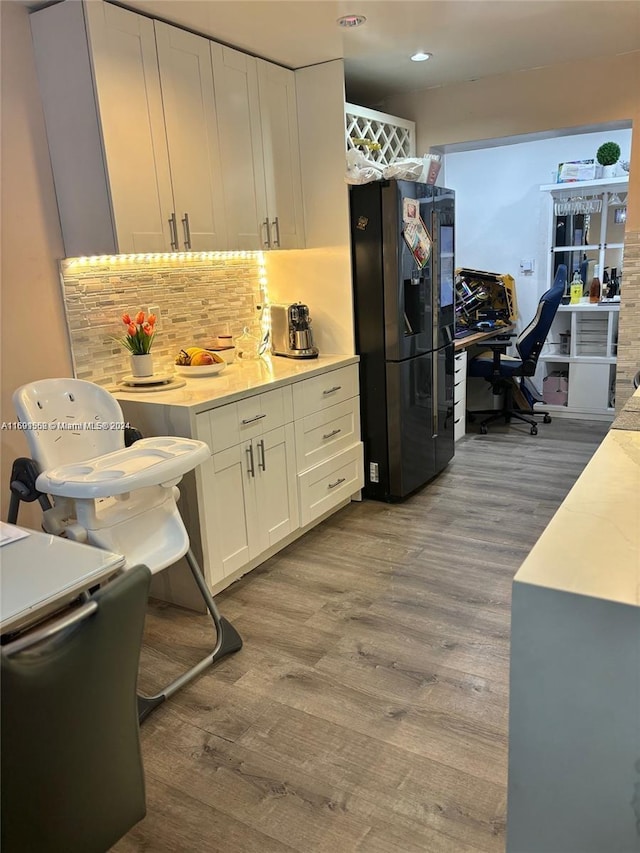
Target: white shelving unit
[582,342]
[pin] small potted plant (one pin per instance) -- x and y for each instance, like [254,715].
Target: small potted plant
[607,156]
[138,340]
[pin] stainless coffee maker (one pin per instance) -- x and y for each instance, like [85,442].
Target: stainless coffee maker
[291,334]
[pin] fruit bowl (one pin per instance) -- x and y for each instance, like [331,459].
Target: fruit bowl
[199,370]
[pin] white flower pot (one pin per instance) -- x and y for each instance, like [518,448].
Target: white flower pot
[609,171]
[141,365]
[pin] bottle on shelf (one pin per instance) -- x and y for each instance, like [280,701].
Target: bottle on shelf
[614,285]
[584,268]
[594,290]
[576,289]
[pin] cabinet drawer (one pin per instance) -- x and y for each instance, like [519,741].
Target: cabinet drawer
[327,484]
[459,428]
[228,425]
[459,409]
[326,433]
[460,366]
[321,392]
[460,391]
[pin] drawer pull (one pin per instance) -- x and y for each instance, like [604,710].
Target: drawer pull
[331,390]
[251,420]
[332,433]
[337,482]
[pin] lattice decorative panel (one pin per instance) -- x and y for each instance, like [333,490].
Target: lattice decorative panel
[390,137]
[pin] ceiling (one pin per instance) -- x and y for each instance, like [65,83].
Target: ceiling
[469,39]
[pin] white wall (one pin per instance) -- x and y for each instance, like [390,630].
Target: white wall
[501,215]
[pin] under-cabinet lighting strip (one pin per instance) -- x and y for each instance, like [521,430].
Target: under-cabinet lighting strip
[98,260]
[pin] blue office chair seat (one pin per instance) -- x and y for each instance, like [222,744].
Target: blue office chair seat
[503,371]
[483,365]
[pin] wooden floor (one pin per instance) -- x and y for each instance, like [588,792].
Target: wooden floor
[368,709]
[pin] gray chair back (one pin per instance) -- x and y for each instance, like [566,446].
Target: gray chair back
[72,776]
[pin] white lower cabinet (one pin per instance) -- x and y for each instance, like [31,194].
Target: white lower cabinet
[328,484]
[250,500]
[328,447]
[281,460]
[459,394]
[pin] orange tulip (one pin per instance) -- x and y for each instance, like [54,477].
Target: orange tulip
[126,319]
[140,318]
[131,329]
[151,319]
[147,329]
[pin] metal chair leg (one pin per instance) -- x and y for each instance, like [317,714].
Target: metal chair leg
[227,641]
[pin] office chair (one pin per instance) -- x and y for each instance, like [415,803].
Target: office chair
[72,776]
[500,370]
[122,499]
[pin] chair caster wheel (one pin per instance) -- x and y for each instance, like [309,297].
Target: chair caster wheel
[547,419]
[483,429]
[534,430]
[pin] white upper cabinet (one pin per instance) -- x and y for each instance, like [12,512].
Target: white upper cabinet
[186,78]
[278,113]
[130,112]
[238,103]
[161,140]
[258,130]
[98,75]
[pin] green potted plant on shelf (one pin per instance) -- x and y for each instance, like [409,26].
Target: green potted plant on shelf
[607,156]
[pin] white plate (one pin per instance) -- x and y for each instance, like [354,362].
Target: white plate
[200,369]
[156,379]
[175,382]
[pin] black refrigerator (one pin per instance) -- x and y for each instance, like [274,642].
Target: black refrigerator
[402,241]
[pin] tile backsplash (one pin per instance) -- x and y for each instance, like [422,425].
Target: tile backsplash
[197,298]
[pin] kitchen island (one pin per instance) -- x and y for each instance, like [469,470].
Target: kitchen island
[574,723]
[285,448]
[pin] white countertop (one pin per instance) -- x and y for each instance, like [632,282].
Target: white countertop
[592,544]
[237,380]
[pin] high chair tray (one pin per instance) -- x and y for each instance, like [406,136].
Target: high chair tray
[148,462]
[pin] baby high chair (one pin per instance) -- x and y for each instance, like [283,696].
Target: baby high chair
[122,499]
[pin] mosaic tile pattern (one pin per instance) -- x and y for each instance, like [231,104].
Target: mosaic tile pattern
[198,299]
[629,333]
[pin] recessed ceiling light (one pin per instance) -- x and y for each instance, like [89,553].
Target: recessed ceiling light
[421,57]
[351,20]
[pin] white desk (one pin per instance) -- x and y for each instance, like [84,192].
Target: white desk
[41,573]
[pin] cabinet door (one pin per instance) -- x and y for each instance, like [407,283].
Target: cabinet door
[230,513]
[279,116]
[127,85]
[236,88]
[190,118]
[276,485]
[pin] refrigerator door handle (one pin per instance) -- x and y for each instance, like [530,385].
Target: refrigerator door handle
[435,289]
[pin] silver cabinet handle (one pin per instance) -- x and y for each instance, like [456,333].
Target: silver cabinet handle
[173,232]
[187,231]
[332,433]
[337,482]
[267,229]
[331,390]
[276,226]
[262,464]
[250,466]
[251,420]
